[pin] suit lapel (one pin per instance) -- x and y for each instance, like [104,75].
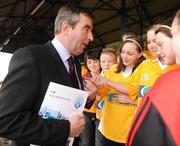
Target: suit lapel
[59,65]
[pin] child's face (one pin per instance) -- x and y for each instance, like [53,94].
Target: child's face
[129,54]
[164,45]
[106,61]
[93,65]
[151,42]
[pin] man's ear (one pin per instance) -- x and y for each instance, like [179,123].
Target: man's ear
[65,28]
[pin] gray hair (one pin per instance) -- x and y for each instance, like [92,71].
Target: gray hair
[68,13]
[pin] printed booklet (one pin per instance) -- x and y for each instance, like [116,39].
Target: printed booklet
[62,102]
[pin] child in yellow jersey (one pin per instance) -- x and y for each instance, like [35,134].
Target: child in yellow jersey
[107,59]
[118,114]
[150,66]
[92,65]
[145,76]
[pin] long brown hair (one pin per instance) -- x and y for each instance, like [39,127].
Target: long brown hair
[165,29]
[140,47]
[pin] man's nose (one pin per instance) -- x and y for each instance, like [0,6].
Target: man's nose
[90,37]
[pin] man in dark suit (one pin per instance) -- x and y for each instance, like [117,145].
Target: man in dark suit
[30,71]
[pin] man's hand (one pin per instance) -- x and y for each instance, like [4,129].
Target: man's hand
[77,125]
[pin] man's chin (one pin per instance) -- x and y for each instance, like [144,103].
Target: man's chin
[78,53]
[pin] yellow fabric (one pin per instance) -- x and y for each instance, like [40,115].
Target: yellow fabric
[144,77]
[147,55]
[117,117]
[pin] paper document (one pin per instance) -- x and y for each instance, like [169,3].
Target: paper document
[4,64]
[62,102]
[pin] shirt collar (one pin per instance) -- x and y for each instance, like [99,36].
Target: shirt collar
[162,66]
[62,51]
[154,60]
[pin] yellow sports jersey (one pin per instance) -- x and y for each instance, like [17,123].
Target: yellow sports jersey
[146,74]
[147,55]
[117,116]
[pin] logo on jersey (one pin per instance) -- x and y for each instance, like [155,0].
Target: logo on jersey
[110,97]
[143,90]
[100,104]
[145,77]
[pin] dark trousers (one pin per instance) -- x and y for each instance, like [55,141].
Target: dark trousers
[87,137]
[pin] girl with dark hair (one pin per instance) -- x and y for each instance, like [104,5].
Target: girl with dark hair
[92,64]
[118,114]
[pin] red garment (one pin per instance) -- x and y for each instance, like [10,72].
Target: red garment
[157,121]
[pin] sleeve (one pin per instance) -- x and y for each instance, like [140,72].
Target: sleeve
[153,131]
[19,96]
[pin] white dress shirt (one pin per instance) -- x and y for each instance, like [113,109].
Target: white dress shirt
[64,55]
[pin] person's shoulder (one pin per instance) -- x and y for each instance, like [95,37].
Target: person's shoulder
[37,52]
[143,63]
[112,70]
[150,60]
[39,47]
[36,47]
[175,73]
[172,77]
